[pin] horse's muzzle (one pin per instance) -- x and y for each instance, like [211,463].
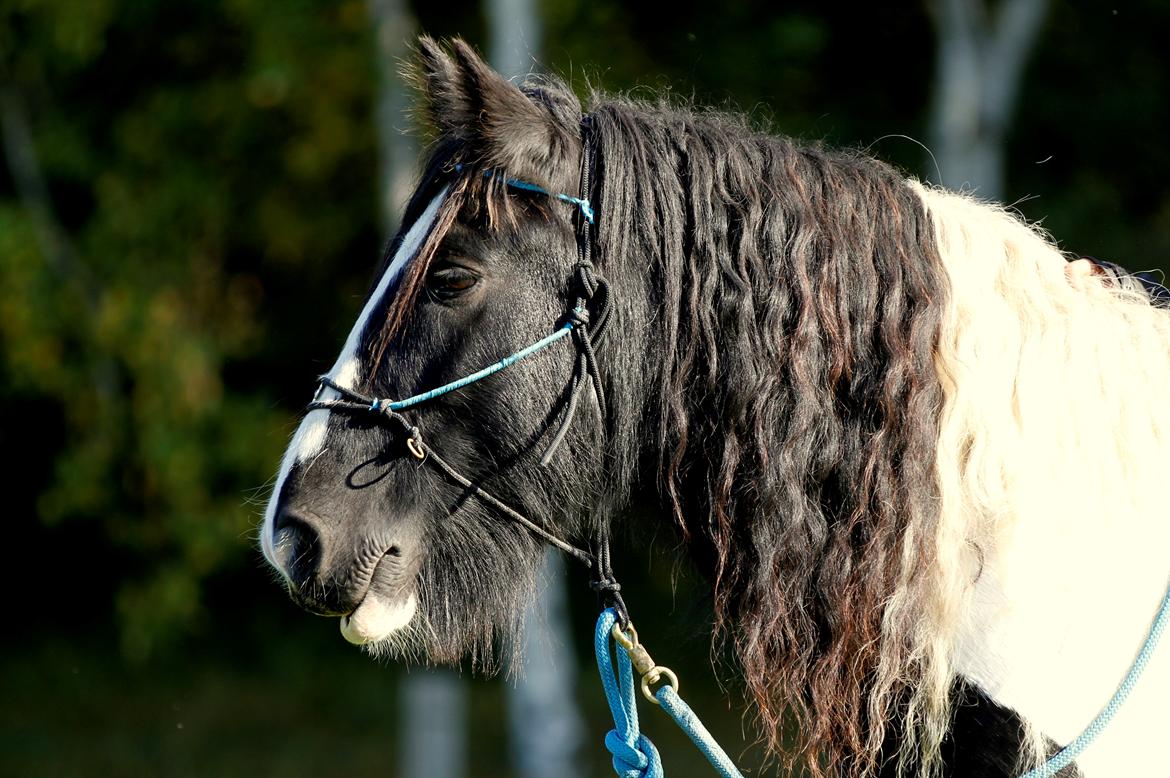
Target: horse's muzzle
[328,573]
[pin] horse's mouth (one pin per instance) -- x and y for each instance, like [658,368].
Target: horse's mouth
[374,596]
[376,618]
[387,604]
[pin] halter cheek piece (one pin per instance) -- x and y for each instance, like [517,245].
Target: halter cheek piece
[585,324]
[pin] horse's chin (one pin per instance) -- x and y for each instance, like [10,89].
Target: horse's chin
[376,618]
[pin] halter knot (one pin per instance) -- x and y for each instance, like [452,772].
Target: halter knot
[579,317]
[587,273]
[605,585]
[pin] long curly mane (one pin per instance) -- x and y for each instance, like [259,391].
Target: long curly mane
[799,295]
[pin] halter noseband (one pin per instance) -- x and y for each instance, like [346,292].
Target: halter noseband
[585,324]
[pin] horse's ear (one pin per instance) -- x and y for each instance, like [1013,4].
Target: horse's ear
[502,126]
[434,77]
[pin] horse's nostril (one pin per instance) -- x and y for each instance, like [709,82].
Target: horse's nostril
[329,565]
[298,548]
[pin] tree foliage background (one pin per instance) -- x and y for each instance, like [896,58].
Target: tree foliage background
[188,221]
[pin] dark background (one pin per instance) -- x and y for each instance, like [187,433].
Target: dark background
[206,225]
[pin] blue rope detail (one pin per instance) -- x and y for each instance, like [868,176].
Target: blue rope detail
[634,756]
[1074,749]
[478,375]
[515,183]
[689,723]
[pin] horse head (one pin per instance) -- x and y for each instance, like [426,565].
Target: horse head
[715,397]
[358,525]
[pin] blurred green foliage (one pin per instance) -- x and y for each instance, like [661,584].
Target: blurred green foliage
[193,151]
[209,223]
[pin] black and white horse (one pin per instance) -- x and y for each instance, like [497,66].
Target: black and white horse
[919,464]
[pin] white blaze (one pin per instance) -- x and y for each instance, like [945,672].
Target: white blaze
[310,435]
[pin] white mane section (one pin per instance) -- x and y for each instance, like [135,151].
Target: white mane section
[1054,536]
[309,438]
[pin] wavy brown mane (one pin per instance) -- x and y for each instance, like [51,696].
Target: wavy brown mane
[800,296]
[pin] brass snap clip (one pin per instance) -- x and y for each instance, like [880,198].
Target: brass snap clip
[640,658]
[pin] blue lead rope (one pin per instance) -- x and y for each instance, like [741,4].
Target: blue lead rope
[1069,753]
[688,722]
[634,756]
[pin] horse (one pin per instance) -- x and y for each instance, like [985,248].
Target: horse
[917,464]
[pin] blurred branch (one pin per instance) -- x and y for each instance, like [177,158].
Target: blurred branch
[33,191]
[980,63]
[21,155]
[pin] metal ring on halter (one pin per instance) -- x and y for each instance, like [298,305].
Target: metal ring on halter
[413,445]
[654,676]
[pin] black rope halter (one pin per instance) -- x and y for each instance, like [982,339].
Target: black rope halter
[585,323]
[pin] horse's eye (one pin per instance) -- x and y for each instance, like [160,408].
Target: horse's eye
[450,281]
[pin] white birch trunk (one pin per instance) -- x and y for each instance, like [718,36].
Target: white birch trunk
[980,61]
[432,729]
[398,152]
[545,726]
[514,36]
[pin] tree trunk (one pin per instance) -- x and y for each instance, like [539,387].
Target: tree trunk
[514,35]
[545,725]
[980,61]
[398,153]
[432,730]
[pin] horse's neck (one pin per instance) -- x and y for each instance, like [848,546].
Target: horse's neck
[1055,404]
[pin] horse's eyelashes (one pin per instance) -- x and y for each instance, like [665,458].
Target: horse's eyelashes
[450,281]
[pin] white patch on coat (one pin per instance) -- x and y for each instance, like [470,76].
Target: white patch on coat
[1052,456]
[309,438]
